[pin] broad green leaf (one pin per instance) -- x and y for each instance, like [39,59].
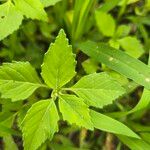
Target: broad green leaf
[105,23]
[74,110]
[31,9]
[10,19]
[59,63]
[47,3]
[39,124]
[98,89]
[134,144]
[118,61]
[132,46]
[18,80]
[108,124]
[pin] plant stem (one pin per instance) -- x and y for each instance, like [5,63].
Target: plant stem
[83,135]
[109,145]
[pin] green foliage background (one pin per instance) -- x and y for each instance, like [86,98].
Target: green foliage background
[101,51]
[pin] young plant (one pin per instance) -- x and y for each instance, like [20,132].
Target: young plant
[18,80]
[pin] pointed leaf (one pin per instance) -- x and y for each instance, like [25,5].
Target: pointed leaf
[75,111]
[118,61]
[108,124]
[134,144]
[40,124]
[31,9]
[59,63]
[18,80]
[8,13]
[98,89]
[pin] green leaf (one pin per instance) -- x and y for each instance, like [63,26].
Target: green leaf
[144,100]
[5,115]
[9,143]
[108,5]
[108,124]
[55,146]
[139,127]
[143,103]
[118,61]
[8,13]
[31,9]
[21,115]
[90,66]
[9,106]
[132,46]
[146,137]
[59,63]
[18,80]
[81,18]
[122,31]
[39,124]
[5,127]
[47,3]
[134,144]
[7,130]
[98,89]
[114,43]
[128,2]
[74,110]
[105,23]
